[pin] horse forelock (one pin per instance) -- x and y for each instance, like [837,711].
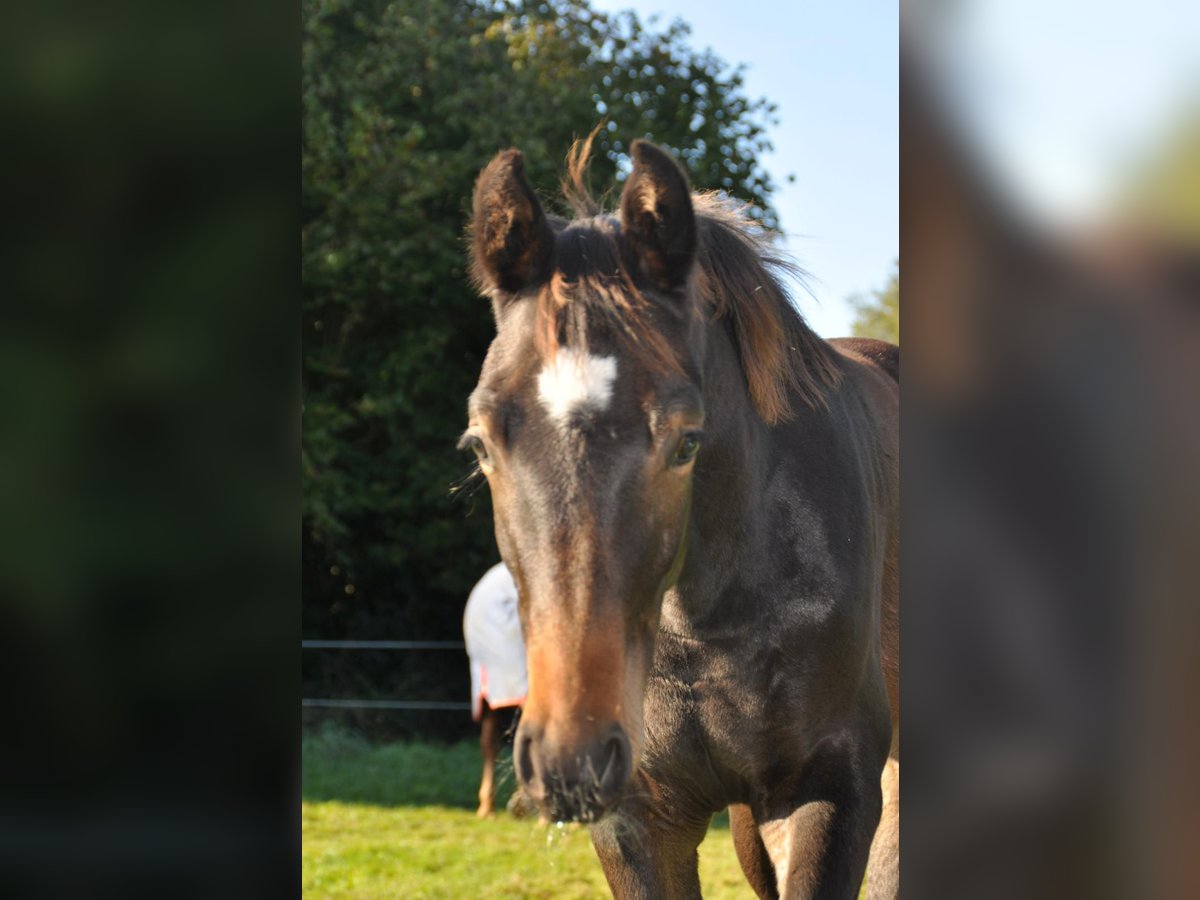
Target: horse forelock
[591,292]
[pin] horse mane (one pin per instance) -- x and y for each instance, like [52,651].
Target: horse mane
[739,272]
[737,278]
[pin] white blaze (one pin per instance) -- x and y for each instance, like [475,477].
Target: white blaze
[572,380]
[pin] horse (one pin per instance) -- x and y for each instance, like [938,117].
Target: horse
[492,634]
[698,498]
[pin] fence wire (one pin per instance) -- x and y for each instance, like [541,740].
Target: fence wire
[335,703]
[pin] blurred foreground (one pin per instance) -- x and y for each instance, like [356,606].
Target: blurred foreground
[1052,498]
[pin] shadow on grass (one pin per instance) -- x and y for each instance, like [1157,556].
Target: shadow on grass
[340,765]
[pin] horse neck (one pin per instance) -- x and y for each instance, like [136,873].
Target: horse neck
[727,528]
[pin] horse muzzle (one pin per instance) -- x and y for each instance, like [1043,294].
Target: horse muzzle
[576,781]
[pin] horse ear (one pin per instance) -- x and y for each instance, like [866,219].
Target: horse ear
[513,241]
[657,220]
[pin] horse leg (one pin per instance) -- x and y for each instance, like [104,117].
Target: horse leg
[752,852]
[645,855]
[489,743]
[819,841]
[883,867]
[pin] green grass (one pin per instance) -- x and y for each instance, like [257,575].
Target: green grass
[398,820]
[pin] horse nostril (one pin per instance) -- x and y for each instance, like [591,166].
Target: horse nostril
[615,769]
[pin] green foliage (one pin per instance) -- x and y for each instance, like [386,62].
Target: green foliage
[339,764]
[403,103]
[1162,191]
[878,316]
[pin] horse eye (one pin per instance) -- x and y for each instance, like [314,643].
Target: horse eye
[689,446]
[475,445]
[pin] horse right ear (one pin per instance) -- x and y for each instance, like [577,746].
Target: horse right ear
[513,242]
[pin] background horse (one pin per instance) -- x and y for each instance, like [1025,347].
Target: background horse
[698,499]
[492,632]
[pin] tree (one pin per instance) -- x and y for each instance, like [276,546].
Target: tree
[878,316]
[1161,193]
[403,103]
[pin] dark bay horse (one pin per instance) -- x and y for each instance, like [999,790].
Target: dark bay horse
[698,498]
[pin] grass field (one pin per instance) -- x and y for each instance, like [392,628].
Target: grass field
[398,821]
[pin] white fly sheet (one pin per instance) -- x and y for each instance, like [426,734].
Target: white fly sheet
[492,630]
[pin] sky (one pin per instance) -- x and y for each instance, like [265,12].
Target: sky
[1062,100]
[832,69]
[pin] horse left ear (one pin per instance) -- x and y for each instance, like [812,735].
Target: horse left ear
[657,220]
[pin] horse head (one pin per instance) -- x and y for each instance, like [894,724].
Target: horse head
[587,421]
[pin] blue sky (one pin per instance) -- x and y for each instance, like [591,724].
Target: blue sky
[832,68]
[1062,99]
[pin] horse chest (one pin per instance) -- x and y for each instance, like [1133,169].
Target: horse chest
[712,710]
